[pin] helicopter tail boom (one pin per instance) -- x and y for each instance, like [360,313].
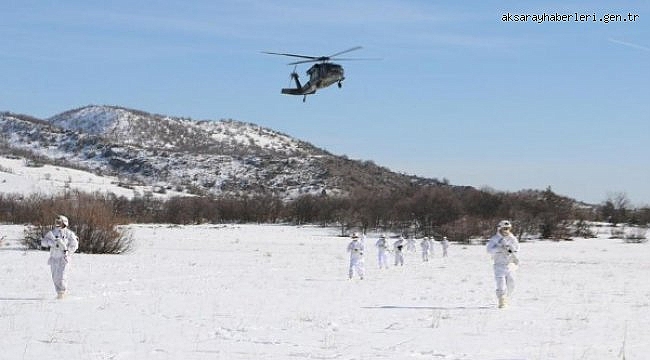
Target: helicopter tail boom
[299,89]
[292,91]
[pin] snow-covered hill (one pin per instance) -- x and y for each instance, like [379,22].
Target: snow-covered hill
[21,177]
[224,157]
[136,128]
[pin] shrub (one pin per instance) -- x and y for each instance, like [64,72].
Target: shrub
[583,229]
[617,233]
[91,218]
[636,236]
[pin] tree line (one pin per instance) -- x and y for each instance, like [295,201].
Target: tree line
[461,214]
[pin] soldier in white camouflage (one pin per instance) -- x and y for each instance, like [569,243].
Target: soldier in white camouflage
[63,243]
[356,248]
[503,247]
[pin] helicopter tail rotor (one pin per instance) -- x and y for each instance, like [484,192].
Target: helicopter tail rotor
[293,77]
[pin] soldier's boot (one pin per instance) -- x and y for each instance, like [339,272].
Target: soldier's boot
[503,302]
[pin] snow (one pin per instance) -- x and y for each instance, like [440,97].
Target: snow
[92,119]
[220,157]
[96,120]
[281,292]
[248,134]
[17,176]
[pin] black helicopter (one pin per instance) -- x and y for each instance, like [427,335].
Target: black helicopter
[321,75]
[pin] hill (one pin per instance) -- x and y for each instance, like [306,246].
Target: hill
[224,157]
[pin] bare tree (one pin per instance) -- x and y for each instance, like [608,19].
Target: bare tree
[616,208]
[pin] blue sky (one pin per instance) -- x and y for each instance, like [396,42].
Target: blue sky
[458,93]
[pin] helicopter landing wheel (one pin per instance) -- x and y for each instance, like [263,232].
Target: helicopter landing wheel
[340,85]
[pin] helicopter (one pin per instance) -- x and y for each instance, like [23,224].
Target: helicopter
[321,75]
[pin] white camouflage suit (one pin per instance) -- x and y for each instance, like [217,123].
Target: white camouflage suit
[410,244]
[426,246]
[355,248]
[503,247]
[382,249]
[398,248]
[445,245]
[62,243]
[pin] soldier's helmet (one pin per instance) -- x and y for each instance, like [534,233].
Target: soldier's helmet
[504,224]
[61,221]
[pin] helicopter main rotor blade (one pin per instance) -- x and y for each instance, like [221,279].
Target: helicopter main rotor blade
[293,55]
[344,51]
[306,61]
[323,59]
[309,59]
[354,59]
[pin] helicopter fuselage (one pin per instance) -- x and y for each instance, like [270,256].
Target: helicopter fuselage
[321,75]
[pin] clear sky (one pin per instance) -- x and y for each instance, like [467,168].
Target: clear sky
[458,94]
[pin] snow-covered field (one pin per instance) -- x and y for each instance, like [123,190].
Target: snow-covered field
[281,292]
